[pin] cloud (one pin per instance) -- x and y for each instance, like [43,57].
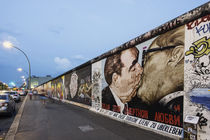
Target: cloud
[8,31]
[79,57]
[10,28]
[56,30]
[62,64]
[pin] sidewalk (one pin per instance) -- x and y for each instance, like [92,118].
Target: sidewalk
[62,121]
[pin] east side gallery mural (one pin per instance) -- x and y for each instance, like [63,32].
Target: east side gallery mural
[147,81]
[153,80]
[78,86]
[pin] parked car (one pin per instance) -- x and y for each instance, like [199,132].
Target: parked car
[21,93]
[7,104]
[14,95]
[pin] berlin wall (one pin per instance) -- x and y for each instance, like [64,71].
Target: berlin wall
[154,81]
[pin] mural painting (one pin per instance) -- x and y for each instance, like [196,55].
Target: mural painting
[78,85]
[146,81]
[53,88]
[60,88]
[48,84]
[45,89]
[155,80]
[197,73]
[67,84]
[40,89]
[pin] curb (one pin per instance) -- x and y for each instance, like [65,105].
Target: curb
[14,127]
[77,104]
[73,103]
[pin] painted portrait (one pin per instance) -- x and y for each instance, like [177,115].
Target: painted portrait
[60,88]
[147,80]
[78,85]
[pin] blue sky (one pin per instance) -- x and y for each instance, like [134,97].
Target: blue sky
[58,35]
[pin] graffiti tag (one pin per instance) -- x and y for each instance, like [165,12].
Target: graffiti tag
[198,84]
[202,65]
[203,72]
[96,76]
[205,28]
[202,120]
[195,23]
[200,48]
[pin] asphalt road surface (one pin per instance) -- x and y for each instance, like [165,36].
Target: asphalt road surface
[6,121]
[55,121]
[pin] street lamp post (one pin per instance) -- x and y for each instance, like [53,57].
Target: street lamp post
[8,44]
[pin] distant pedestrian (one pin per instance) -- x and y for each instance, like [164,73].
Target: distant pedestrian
[30,94]
[43,98]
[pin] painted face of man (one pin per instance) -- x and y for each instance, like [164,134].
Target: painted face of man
[164,69]
[127,83]
[153,76]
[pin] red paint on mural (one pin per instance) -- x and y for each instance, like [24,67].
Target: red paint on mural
[195,23]
[167,118]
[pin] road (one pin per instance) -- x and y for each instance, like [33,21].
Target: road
[6,121]
[64,121]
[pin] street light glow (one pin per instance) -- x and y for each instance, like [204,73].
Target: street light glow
[12,84]
[19,69]
[7,44]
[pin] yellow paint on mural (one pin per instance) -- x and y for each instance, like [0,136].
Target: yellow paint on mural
[200,48]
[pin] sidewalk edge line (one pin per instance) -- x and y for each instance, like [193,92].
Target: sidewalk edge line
[14,127]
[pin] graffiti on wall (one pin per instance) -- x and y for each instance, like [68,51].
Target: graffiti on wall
[197,72]
[78,85]
[60,88]
[96,84]
[200,62]
[145,83]
[73,84]
[135,83]
[200,29]
[53,88]
[200,50]
[49,89]
[202,120]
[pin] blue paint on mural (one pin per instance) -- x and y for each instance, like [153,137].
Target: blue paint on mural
[201,96]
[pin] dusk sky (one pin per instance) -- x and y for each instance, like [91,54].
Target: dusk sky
[58,35]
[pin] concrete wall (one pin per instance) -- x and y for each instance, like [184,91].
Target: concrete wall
[153,81]
[197,73]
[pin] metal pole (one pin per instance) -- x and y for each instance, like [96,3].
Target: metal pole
[29,75]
